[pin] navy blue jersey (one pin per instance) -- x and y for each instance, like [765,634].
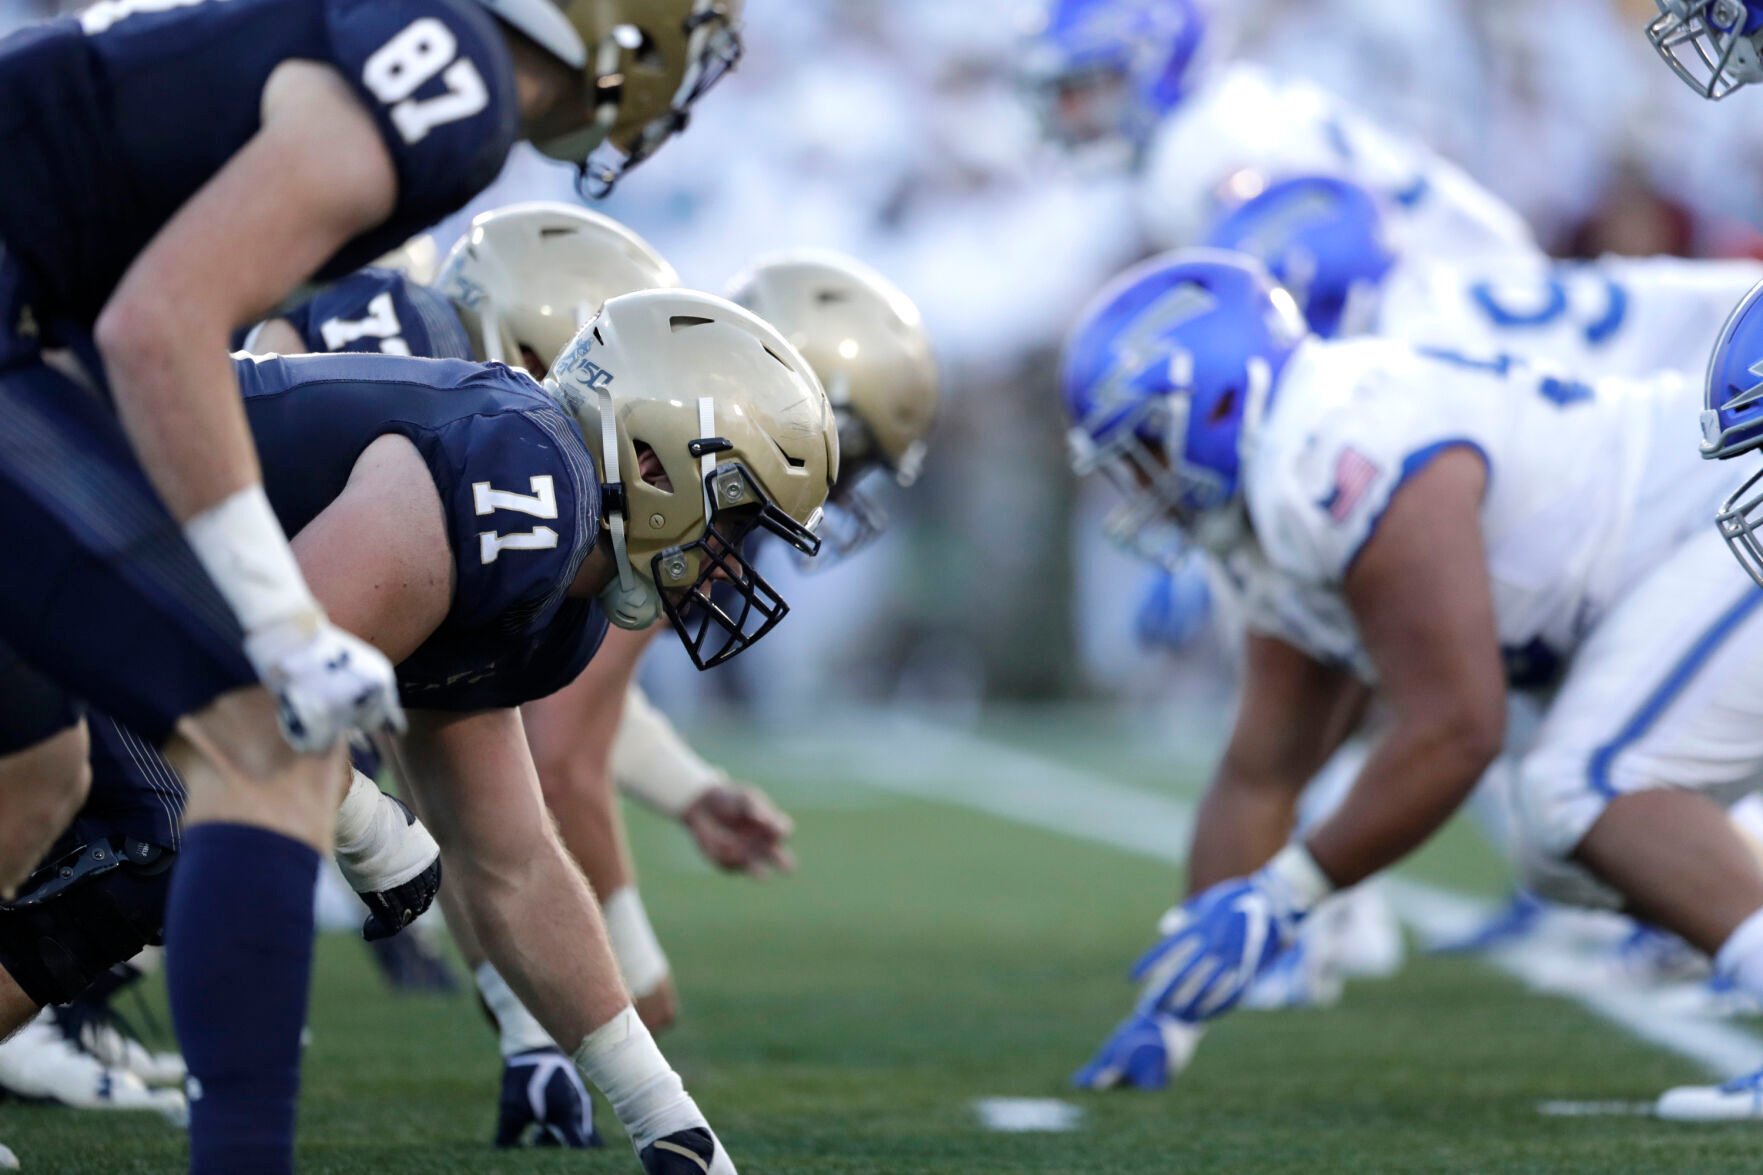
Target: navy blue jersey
[110,121]
[380,310]
[520,492]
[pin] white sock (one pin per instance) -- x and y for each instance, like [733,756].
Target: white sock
[641,960]
[1740,958]
[621,1060]
[520,1032]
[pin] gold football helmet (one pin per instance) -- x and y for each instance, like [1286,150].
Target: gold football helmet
[646,63]
[708,426]
[866,341]
[526,277]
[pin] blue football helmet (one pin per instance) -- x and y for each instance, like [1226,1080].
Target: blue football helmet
[1322,238]
[1110,70]
[1732,423]
[1715,46]
[1164,375]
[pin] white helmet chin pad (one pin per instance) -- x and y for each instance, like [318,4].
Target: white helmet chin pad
[633,606]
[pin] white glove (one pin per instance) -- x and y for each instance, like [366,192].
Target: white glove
[326,683]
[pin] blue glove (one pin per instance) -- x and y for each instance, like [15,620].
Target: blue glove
[1216,942]
[1143,1052]
[541,1090]
[1175,608]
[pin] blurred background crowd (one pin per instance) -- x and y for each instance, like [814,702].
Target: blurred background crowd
[897,130]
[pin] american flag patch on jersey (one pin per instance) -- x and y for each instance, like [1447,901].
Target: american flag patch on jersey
[1353,475]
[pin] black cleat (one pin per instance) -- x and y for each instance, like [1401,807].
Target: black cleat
[686,1152]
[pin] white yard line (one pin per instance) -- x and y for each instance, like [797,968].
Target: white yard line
[948,766]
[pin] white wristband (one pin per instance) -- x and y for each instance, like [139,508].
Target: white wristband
[652,764]
[241,545]
[1300,881]
[640,958]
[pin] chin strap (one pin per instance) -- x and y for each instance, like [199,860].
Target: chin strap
[490,327]
[707,459]
[615,518]
[630,602]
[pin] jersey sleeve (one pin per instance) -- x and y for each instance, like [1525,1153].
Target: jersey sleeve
[522,513]
[1315,508]
[380,311]
[437,78]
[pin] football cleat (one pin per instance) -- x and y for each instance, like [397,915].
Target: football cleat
[8,1160]
[414,962]
[1513,922]
[686,1152]
[1143,1052]
[544,1103]
[40,1064]
[95,1028]
[1739,1100]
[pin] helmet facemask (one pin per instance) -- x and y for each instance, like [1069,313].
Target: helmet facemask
[1740,519]
[1168,503]
[1707,45]
[707,428]
[712,49]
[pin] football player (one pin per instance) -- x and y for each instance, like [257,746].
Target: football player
[173,171]
[1334,245]
[1715,46]
[1410,519]
[514,290]
[457,515]
[866,341]
[1137,73]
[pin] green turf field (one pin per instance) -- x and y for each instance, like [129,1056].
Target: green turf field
[926,955]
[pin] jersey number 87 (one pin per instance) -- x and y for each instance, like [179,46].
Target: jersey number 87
[401,66]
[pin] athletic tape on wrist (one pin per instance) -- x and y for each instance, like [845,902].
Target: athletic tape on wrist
[241,545]
[640,958]
[652,764]
[1299,879]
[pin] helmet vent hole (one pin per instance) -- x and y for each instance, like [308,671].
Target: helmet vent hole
[597,337]
[781,360]
[831,297]
[650,468]
[681,322]
[556,230]
[793,462]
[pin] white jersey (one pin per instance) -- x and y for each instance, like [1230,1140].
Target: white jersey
[1589,486]
[1614,316]
[1243,125]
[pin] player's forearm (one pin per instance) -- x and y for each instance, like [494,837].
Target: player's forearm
[538,924]
[178,398]
[584,804]
[1241,823]
[653,764]
[1416,778]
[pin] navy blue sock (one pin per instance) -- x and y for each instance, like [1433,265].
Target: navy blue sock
[238,962]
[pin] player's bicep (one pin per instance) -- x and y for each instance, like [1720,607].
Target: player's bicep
[1422,600]
[378,558]
[314,176]
[1289,719]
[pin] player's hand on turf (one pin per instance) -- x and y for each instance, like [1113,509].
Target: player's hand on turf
[739,829]
[1214,944]
[391,910]
[1143,1052]
[544,1103]
[325,681]
[396,872]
